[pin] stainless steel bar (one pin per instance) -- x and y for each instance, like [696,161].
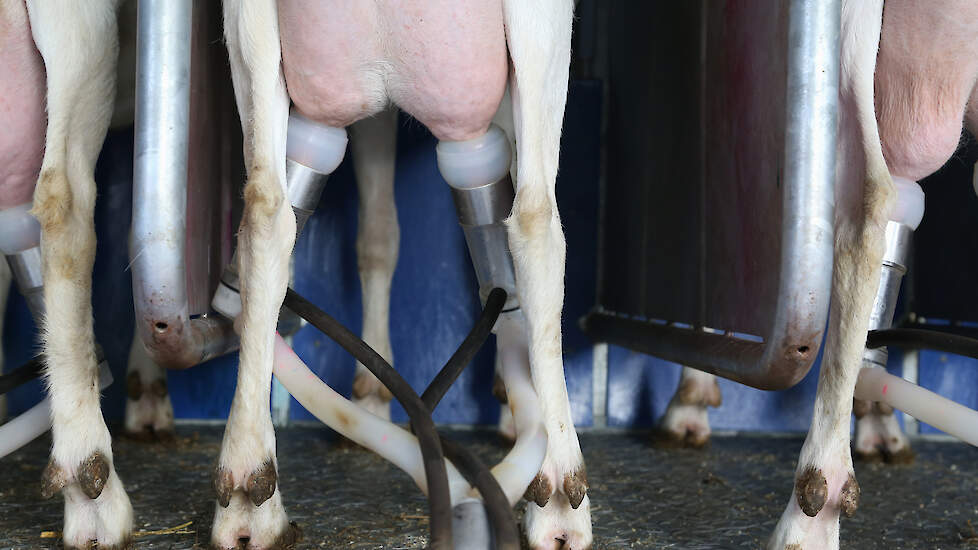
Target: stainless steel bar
[481,212]
[159,227]
[898,239]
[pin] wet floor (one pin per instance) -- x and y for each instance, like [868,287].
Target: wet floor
[727,496]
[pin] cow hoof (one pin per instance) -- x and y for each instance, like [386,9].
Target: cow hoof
[261,483]
[878,436]
[243,525]
[93,474]
[558,525]
[686,423]
[539,490]
[53,479]
[103,522]
[683,426]
[370,395]
[850,496]
[812,491]
[149,412]
[223,486]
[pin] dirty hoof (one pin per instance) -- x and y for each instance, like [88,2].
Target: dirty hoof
[149,413]
[244,525]
[261,483]
[134,386]
[688,438]
[686,422]
[92,475]
[94,545]
[878,436]
[291,536]
[811,490]
[370,395]
[366,384]
[850,496]
[499,390]
[53,479]
[902,456]
[539,490]
[558,526]
[575,487]
[223,486]
[152,435]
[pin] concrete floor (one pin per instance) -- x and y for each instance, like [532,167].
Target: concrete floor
[727,496]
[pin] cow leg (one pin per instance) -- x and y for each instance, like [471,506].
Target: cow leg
[538,35]
[924,74]
[374,147]
[878,435]
[77,42]
[149,413]
[249,503]
[686,423]
[824,480]
[925,84]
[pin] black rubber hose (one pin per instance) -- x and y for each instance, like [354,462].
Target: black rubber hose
[439,498]
[915,338]
[22,374]
[500,513]
[466,351]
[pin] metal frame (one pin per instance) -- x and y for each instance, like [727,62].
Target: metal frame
[791,340]
[172,336]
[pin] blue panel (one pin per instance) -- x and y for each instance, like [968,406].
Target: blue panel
[952,376]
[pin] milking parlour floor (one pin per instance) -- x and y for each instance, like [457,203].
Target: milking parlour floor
[726,496]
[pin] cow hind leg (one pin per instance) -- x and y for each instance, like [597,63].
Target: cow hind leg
[149,413]
[374,146]
[686,423]
[916,89]
[538,35]
[78,44]
[249,504]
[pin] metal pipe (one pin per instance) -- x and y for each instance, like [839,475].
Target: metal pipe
[481,212]
[898,239]
[26,269]
[159,225]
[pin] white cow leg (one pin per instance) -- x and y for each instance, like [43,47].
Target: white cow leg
[149,413]
[825,483]
[78,44]
[374,147]
[249,502]
[538,35]
[685,422]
